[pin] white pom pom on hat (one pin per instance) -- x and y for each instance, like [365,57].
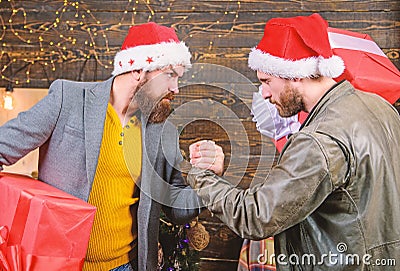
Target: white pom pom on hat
[296,47]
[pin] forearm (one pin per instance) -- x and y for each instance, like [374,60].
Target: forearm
[309,170]
[239,209]
[180,216]
[183,204]
[287,196]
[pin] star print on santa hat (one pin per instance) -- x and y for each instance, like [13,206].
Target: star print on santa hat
[149,59]
[149,47]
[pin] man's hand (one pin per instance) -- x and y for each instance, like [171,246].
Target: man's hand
[206,154]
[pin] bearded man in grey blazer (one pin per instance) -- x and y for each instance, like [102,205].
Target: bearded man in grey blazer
[104,142]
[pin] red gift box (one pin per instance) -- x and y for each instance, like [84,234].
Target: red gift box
[41,227]
[367,67]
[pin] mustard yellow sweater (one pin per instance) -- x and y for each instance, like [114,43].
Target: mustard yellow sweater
[114,229]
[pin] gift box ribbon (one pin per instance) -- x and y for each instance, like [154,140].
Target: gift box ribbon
[12,257]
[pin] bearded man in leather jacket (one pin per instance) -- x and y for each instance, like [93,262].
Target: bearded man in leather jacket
[331,202]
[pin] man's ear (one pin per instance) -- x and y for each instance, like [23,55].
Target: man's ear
[137,74]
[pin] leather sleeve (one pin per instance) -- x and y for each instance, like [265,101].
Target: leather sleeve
[311,166]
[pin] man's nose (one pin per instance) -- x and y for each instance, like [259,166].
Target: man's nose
[174,87]
[174,90]
[266,93]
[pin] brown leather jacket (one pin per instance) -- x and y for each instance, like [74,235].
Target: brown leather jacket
[332,201]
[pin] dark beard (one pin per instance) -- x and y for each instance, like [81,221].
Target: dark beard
[291,102]
[156,111]
[162,110]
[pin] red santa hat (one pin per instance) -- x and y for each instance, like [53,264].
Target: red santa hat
[296,47]
[150,47]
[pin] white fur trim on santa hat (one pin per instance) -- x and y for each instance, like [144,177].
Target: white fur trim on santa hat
[151,57]
[304,68]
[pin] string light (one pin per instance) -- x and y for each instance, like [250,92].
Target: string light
[8,102]
[49,35]
[57,40]
[225,14]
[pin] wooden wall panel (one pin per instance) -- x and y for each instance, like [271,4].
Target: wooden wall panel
[233,27]
[217,32]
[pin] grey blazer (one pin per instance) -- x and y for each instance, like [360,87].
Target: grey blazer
[67,126]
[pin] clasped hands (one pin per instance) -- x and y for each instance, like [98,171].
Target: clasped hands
[205,154]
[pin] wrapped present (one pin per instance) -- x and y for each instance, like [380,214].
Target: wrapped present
[367,67]
[257,255]
[41,227]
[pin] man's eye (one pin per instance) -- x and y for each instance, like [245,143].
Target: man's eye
[265,81]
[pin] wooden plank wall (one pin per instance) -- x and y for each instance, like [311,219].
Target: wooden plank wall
[49,39]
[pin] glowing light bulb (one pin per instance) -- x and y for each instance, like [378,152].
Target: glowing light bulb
[8,99]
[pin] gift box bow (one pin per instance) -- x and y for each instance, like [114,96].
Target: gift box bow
[4,263]
[12,258]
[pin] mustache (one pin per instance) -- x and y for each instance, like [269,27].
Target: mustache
[170,96]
